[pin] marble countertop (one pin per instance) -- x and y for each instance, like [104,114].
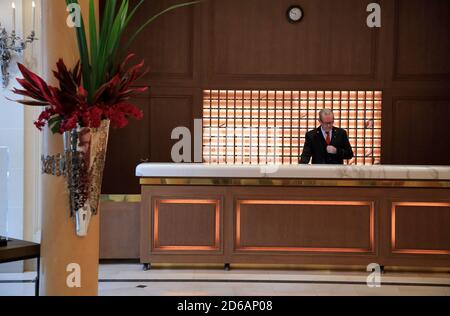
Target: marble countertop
[385,172]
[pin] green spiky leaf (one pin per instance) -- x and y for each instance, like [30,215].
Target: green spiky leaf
[100,59]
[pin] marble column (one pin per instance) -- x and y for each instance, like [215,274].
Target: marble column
[61,249]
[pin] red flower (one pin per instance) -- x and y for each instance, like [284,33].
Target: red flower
[67,105]
[95,117]
[69,123]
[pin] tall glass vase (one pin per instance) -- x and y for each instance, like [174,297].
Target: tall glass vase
[85,154]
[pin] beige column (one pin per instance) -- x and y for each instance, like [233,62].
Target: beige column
[60,247]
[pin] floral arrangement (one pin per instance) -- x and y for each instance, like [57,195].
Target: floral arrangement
[68,104]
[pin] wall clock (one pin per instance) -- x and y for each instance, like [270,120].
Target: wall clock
[295,14]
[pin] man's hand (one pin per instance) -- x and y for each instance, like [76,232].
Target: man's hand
[332,150]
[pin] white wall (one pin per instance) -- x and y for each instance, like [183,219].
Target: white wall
[18,134]
[11,136]
[12,132]
[4,166]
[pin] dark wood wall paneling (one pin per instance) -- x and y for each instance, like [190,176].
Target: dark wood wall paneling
[119,230]
[249,44]
[253,40]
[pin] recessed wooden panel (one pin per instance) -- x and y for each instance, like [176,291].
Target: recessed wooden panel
[183,224]
[119,230]
[421,228]
[304,226]
[167,113]
[167,44]
[127,148]
[420,127]
[422,39]
[254,38]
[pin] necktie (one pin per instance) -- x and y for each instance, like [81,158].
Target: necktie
[328,138]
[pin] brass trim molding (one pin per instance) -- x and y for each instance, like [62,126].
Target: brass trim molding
[311,267]
[132,198]
[295,182]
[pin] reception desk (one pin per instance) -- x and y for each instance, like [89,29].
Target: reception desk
[324,215]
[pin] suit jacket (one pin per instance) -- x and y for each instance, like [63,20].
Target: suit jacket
[316,147]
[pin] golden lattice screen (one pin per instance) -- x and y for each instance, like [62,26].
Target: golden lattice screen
[269,127]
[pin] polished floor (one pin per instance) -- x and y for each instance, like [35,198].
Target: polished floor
[129,279]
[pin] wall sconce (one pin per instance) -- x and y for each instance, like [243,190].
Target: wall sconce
[11,43]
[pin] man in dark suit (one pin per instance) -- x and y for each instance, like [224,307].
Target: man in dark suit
[326,144]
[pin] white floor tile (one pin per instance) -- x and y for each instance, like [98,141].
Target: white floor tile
[17,289]
[217,282]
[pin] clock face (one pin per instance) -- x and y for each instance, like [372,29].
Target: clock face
[295,14]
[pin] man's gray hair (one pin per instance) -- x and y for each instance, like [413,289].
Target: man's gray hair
[325,112]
